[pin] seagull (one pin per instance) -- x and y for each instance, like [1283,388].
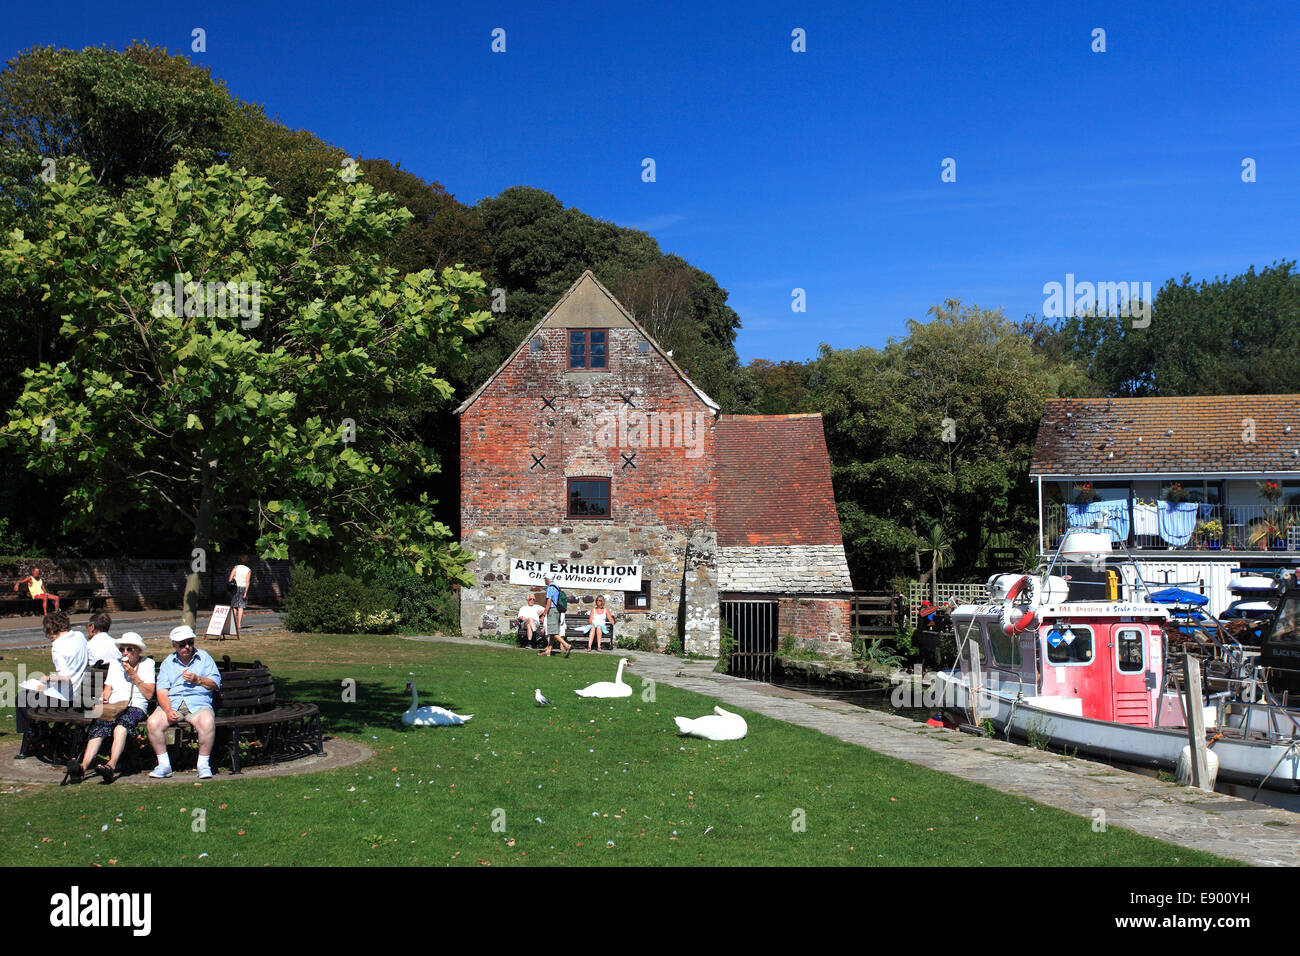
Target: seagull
[537,696]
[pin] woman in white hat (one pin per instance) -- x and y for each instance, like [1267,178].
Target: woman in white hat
[127,692]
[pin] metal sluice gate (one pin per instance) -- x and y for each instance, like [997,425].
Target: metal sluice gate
[754,625]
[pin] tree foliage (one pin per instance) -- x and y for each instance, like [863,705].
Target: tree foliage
[1238,336]
[935,429]
[127,115]
[223,421]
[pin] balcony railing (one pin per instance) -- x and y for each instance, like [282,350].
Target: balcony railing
[1181,527]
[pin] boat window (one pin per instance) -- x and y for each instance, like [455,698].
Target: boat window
[1128,650]
[1005,650]
[1287,628]
[1069,645]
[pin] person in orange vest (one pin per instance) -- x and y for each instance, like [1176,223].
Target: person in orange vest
[36,589]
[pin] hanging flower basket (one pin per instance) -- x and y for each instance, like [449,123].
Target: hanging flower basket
[1176,494]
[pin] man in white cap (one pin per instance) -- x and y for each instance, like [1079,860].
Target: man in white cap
[127,692]
[187,681]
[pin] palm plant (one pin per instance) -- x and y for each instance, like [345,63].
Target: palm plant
[939,547]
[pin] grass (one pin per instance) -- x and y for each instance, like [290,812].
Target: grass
[585,782]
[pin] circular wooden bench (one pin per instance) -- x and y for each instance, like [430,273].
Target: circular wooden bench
[247,715]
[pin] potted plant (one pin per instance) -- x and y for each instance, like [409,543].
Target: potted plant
[1209,534]
[1176,494]
[1086,494]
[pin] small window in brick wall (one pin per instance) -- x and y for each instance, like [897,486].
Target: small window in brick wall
[588,497]
[638,600]
[587,349]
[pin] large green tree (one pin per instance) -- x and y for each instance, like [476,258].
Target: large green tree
[230,365]
[930,437]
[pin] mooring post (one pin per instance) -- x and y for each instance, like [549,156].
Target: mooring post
[1195,720]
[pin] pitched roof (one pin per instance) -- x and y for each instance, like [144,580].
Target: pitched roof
[1194,434]
[774,481]
[588,304]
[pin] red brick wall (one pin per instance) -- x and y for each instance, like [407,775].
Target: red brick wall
[821,624]
[508,423]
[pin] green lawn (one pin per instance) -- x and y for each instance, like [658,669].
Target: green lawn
[583,782]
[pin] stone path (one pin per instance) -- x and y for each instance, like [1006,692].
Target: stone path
[1213,822]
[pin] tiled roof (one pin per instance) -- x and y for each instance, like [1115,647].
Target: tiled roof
[774,481]
[1243,434]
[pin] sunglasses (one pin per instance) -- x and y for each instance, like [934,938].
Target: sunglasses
[184,643]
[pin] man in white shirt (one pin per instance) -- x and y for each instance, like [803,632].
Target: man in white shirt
[530,617]
[240,575]
[103,649]
[62,688]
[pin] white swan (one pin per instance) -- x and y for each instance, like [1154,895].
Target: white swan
[428,716]
[614,688]
[725,726]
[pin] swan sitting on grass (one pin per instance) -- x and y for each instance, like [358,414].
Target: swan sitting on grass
[724,726]
[428,716]
[614,688]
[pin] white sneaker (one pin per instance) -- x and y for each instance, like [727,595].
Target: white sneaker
[205,773]
[160,772]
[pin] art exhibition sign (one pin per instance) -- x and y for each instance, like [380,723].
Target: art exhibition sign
[572,575]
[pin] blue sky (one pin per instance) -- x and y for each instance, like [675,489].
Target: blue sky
[819,170]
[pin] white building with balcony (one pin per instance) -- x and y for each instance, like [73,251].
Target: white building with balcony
[1194,486]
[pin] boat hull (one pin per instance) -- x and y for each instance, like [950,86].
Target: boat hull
[1240,761]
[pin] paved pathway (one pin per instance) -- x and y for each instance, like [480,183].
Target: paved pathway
[1213,822]
[25,630]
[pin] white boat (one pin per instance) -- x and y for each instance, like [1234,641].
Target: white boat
[1091,672]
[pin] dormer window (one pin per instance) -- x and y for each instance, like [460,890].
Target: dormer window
[587,349]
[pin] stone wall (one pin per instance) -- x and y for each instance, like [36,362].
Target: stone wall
[784,569]
[676,565]
[131,585]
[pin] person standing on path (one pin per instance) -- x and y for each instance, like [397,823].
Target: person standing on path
[240,575]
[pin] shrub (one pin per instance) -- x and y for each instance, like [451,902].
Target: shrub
[676,646]
[626,642]
[726,647]
[424,604]
[337,604]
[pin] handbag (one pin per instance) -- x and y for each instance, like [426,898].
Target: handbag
[112,711]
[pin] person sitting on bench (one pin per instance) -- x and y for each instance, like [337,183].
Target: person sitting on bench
[37,592]
[187,681]
[62,688]
[127,693]
[598,624]
[530,620]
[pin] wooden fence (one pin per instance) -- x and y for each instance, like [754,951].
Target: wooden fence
[874,613]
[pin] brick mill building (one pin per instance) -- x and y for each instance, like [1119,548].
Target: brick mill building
[590,453]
